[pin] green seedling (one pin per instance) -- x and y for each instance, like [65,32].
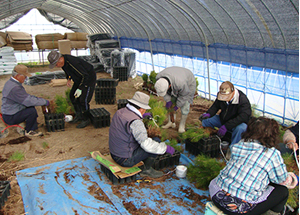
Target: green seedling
[16,156]
[45,145]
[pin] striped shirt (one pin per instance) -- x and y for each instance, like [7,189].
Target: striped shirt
[250,170]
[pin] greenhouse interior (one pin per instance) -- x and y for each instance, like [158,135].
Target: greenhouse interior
[254,44]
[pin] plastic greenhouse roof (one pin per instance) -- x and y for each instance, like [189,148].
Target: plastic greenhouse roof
[251,23]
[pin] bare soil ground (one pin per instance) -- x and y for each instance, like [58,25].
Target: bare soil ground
[63,145]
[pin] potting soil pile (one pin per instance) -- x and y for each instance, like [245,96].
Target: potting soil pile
[78,186]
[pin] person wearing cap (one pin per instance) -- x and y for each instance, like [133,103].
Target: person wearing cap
[84,77]
[177,85]
[235,112]
[17,105]
[128,140]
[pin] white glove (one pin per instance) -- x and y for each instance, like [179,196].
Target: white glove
[77,93]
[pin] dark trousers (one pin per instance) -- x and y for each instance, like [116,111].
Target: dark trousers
[275,202]
[29,115]
[84,99]
[138,155]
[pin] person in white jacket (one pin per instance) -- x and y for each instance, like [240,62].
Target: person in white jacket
[177,85]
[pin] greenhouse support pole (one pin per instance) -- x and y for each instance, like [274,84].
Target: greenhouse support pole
[151,51]
[207,56]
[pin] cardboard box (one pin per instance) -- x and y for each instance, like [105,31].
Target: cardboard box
[64,46]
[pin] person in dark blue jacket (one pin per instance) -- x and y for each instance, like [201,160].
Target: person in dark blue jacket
[235,112]
[17,105]
[84,77]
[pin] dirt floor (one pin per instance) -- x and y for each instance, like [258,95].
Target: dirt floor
[63,145]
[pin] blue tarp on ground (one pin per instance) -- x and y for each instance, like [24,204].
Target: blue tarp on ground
[78,186]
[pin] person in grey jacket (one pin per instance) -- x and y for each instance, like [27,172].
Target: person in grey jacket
[178,86]
[17,105]
[128,140]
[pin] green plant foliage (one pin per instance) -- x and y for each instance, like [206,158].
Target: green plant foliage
[195,134]
[254,112]
[204,170]
[64,105]
[16,156]
[45,145]
[174,144]
[152,77]
[158,111]
[145,77]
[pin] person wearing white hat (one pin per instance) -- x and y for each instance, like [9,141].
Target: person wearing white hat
[178,86]
[17,105]
[128,140]
[235,112]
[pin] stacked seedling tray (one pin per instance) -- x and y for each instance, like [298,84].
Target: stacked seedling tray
[122,103]
[120,72]
[166,160]
[105,91]
[55,122]
[100,117]
[209,146]
[4,192]
[114,179]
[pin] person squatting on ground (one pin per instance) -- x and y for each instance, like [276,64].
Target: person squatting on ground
[84,77]
[235,112]
[17,105]
[252,180]
[178,86]
[291,139]
[128,139]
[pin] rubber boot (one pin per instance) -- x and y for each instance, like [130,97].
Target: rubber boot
[149,171]
[170,123]
[181,128]
[85,121]
[78,114]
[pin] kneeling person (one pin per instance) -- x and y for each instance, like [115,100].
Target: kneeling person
[128,140]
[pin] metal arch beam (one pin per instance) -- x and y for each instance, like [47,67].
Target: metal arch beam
[154,23]
[215,20]
[232,21]
[282,34]
[174,20]
[261,19]
[206,45]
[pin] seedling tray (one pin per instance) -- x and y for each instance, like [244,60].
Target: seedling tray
[105,95]
[100,117]
[114,179]
[55,122]
[166,160]
[121,73]
[209,146]
[4,192]
[107,83]
[122,103]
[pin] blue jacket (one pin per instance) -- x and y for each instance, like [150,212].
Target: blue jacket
[15,98]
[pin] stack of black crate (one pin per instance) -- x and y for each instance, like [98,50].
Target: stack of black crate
[4,192]
[105,91]
[121,73]
[55,121]
[122,103]
[100,117]
[208,146]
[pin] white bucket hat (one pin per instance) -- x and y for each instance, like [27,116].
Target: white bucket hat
[161,86]
[140,99]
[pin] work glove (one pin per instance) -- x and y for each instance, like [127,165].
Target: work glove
[222,131]
[77,93]
[47,103]
[170,150]
[204,116]
[168,104]
[175,108]
[147,115]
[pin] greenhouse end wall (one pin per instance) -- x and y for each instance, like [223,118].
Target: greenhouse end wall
[272,92]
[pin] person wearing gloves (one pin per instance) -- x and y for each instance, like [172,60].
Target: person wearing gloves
[128,140]
[255,179]
[235,112]
[84,77]
[177,85]
[17,105]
